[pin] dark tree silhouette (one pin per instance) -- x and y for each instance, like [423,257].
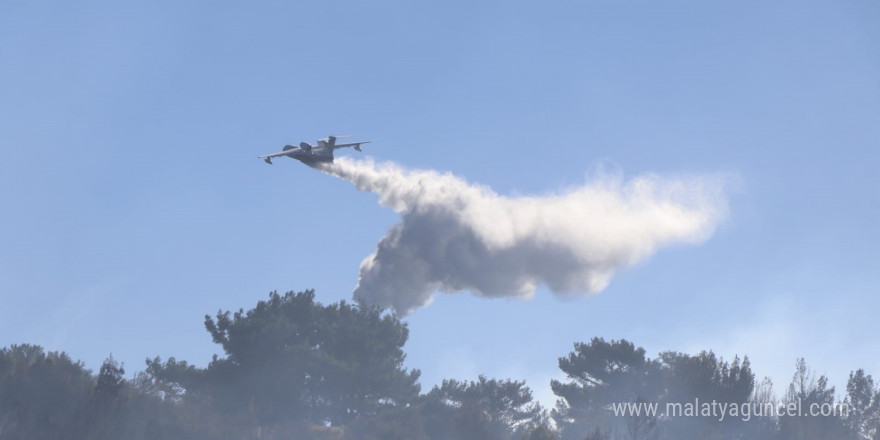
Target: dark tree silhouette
[600,374]
[485,408]
[292,361]
[42,395]
[805,392]
[863,402]
[294,368]
[706,378]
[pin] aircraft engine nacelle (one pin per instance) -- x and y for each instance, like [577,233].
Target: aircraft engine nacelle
[288,148]
[306,146]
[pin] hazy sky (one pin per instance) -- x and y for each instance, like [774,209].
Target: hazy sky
[133,203]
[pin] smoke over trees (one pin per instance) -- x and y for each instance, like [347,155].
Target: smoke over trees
[294,368]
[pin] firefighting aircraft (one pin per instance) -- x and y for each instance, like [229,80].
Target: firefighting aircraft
[309,155]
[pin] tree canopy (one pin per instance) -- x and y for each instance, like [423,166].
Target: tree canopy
[292,367]
[292,360]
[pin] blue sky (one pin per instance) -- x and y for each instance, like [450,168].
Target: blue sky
[133,203]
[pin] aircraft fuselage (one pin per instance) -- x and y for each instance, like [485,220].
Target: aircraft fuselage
[308,154]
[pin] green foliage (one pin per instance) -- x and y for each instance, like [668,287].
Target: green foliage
[706,378]
[601,373]
[805,391]
[294,368]
[598,434]
[540,432]
[863,401]
[111,381]
[485,408]
[393,424]
[291,360]
[49,396]
[42,395]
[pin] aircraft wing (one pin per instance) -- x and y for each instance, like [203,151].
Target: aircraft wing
[268,157]
[356,145]
[280,153]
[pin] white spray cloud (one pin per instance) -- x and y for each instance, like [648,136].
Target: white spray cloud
[457,235]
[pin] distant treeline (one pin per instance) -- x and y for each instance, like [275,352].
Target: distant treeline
[296,369]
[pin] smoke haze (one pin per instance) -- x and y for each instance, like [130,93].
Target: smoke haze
[456,235]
